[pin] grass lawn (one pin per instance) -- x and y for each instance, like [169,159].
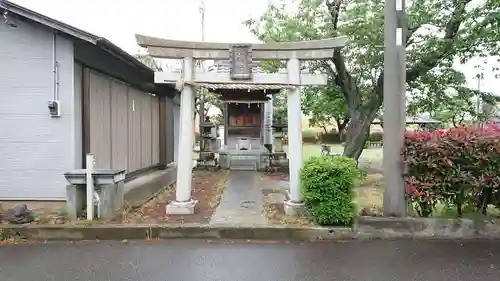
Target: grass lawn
[371,156]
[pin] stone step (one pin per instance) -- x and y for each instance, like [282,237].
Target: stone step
[243,168]
[243,162]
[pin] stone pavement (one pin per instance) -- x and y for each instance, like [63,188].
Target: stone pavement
[241,202]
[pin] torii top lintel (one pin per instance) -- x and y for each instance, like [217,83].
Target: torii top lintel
[303,50]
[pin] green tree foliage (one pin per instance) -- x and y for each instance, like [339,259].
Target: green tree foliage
[456,107]
[325,106]
[209,100]
[439,32]
[442,94]
[280,109]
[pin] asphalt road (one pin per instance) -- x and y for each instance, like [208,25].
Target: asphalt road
[252,261]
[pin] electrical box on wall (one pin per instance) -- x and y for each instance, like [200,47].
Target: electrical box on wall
[54,108]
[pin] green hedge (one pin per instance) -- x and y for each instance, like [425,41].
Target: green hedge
[327,187]
[331,137]
[309,136]
[458,168]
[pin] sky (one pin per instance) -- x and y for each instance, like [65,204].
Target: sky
[118,21]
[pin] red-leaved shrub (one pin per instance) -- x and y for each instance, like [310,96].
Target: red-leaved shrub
[459,167]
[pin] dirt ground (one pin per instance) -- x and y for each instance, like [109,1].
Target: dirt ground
[275,214]
[370,195]
[369,198]
[273,210]
[277,176]
[208,186]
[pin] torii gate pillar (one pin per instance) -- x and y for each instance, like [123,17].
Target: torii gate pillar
[183,203]
[294,114]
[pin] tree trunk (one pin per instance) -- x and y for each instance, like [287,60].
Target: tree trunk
[359,126]
[341,125]
[341,132]
[325,129]
[362,116]
[196,106]
[356,135]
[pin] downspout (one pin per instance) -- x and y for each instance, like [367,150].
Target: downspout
[55,68]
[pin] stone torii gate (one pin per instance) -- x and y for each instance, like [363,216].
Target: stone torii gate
[242,58]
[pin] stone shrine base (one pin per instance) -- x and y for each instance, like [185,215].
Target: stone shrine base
[249,160]
[181,208]
[293,208]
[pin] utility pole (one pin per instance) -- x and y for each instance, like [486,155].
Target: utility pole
[395,30]
[201,90]
[202,13]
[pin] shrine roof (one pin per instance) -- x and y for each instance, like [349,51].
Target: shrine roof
[243,95]
[244,86]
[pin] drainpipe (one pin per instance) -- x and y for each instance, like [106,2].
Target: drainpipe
[55,68]
[91,198]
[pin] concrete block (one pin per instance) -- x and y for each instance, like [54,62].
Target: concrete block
[111,200]
[276,198]
[110,196]
[75,200]
[224,161]
[119,195]
[293,208]
[181,208]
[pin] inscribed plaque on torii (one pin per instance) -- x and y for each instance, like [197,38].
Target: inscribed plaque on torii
[240,57]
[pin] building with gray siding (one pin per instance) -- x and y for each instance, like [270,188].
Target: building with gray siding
[107,104]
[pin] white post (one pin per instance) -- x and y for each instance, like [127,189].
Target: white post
[183,203]
[90,186]
[294,137]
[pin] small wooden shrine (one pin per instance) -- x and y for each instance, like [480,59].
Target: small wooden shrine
[244,115]
[247,126]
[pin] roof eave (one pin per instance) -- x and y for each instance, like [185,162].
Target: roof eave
[116,51]
[49,22]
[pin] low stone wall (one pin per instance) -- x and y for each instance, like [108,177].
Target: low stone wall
[417,228]
[365,228]
[144,187]
[136,192]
